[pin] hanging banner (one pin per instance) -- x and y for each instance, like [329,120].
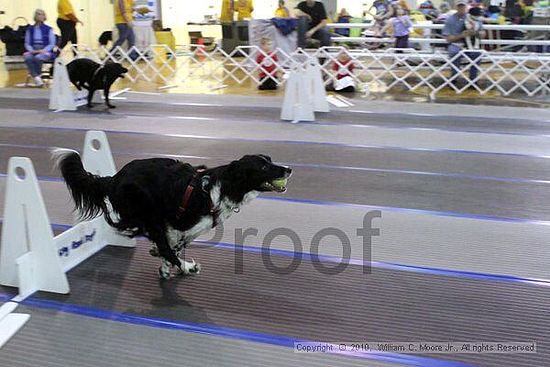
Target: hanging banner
[146,9]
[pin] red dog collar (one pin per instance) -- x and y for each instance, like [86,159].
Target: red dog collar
[187,197]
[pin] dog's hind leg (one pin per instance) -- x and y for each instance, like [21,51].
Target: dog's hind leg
[158,236]
[175,238]
[178,243]
[77,85]
[90,97]
[106,92]
[164,270]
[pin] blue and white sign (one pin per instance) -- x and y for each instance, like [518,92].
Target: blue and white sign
[151,5]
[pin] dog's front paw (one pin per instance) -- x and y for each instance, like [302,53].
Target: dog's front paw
[111,106]
[196,269]
[89,105]
[190,268]
[163,274]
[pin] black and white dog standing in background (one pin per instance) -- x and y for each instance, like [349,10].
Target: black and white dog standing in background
[168,201]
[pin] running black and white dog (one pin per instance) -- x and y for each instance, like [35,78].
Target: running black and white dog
[168,201]
[88,74]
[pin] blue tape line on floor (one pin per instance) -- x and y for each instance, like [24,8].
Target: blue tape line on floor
[249,336]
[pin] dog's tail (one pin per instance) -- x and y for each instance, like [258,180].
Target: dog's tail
[87,190]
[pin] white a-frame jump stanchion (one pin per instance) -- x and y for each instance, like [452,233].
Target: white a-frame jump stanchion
[305,93]
[297,104]
[61,94]
[28,259]
[315,86]
[31,258]
[62,97]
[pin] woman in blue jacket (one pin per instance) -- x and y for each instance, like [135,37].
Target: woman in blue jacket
[39,43]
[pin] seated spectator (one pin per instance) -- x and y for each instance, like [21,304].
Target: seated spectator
[282,10]
[514,11]
[342,69]
[428,9]
[528,8]
[312,21]
[268,67]
[494,15]
[39,46]
[343,17]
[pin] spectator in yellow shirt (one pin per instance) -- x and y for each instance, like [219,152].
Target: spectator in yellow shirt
[282,10]
[227,11]
[66,21]
[124,19]
[244,8]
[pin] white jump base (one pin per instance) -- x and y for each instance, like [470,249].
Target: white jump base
[33,259]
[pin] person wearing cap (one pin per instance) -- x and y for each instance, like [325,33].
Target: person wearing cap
[455,33]
[343,17]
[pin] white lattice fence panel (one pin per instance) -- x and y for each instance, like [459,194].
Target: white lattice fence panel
[505,73]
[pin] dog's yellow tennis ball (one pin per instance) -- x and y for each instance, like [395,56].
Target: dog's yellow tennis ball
[279,183]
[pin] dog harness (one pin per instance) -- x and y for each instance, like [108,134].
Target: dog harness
[187,197]
[101,67]
[97,71]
